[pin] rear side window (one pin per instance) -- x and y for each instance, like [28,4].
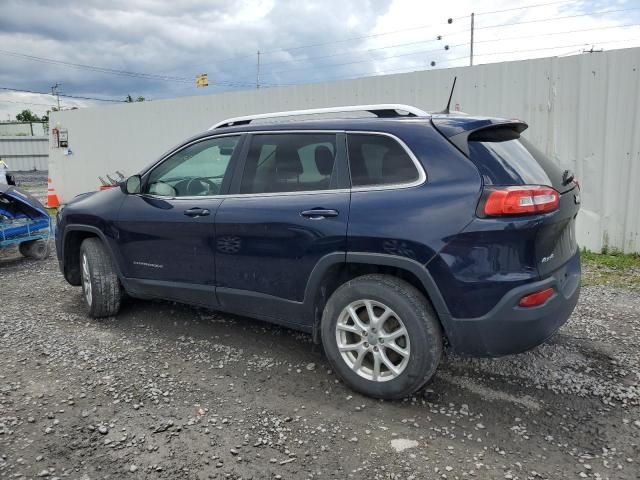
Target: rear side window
[379,160]
[289,162]
[513,162]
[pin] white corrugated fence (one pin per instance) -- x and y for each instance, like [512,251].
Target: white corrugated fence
[24,153]
[583,111]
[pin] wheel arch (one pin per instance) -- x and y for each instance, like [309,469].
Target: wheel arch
[73,237]
[335,269]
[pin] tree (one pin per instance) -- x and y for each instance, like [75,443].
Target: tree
[45,117]
[129,99]
[27,116]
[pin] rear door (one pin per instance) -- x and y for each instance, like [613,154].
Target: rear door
[166,233]
[288,209]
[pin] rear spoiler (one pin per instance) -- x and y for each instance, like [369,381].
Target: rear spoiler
[484,130]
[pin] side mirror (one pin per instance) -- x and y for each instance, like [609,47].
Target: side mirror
[132,185]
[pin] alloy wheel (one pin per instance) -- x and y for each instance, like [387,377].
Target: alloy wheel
[372,340]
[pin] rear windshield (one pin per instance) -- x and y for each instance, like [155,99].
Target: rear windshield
[514,162]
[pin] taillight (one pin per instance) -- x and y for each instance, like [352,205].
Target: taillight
[524,200]
[537,298]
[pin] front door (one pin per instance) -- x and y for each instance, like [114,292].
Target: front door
[285,213]
[167,233]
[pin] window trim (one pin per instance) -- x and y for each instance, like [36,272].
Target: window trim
[422,175]
[236,165]
[232,160]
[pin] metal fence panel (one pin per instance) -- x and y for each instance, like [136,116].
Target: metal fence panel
[36,129]
[25,153]
[582,110]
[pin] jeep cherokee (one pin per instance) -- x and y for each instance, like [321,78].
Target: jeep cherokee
[384,237]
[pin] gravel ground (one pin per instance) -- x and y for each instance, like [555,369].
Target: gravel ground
[34,182]
[170,391]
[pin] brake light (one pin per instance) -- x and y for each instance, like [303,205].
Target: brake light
[520,200]
[537,298]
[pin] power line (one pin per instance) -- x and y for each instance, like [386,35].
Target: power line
[526,6]
[555,18]
[306,59]
[508,24]
[419,52]
[122,73]
[427,51]
[418,69]
[61,94]
[551,48]
[389,32]
[552,33]
[27,103]
[187,80]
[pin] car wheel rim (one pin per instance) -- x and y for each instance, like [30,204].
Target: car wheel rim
[373,340]
[86,280]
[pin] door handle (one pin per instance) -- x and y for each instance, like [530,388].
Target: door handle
[319,213]
[196,212]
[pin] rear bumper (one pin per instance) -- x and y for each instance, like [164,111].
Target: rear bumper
[509,328]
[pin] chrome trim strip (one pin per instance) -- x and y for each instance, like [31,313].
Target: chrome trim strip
[312,111]
[245,195]
[422,176]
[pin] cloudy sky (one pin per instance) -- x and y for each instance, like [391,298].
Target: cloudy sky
[109,49]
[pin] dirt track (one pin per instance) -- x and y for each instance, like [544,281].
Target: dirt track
[169,391]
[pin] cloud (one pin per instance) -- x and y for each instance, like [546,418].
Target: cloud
[182,39]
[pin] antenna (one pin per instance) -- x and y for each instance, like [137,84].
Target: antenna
[446,110]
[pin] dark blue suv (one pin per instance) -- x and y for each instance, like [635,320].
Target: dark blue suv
[384,236]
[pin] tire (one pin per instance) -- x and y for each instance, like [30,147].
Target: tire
[421,344]
[101,289]
[38,249]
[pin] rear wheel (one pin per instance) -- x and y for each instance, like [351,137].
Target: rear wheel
[38,249]
[101,288]
[381,336]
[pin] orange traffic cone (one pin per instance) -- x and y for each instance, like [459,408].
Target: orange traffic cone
[52,198]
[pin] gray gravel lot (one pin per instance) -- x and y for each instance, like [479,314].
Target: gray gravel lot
[170,391]
[34,182]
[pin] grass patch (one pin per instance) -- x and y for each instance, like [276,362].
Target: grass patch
[611,268]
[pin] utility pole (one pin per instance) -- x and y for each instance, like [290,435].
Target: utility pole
[258,72]
[54,92]
[471,51]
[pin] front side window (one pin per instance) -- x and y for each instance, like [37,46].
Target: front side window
[196,170]
[289,162]
[379,160]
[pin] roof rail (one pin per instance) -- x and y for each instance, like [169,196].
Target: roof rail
[385,110]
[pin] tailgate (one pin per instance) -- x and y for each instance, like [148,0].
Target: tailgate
[505,159]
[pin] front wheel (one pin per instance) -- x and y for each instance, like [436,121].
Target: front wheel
[101,288]
[381,336]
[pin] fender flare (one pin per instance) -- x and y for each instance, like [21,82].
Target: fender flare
[76,227]
[404,263]
[345,258]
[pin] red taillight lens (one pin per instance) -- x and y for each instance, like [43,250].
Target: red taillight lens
[537,298]
[520,200]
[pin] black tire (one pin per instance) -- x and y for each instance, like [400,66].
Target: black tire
[420,321]
[38,249]
[105,293]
